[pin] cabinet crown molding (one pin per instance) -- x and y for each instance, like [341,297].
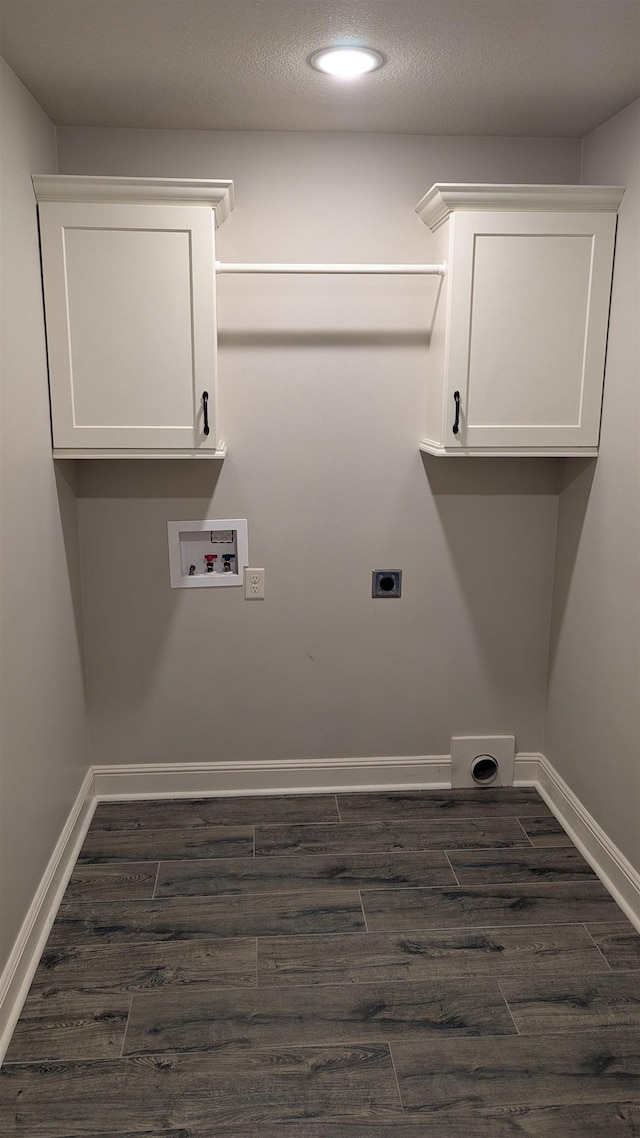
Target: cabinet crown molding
[216,195]
[444,198]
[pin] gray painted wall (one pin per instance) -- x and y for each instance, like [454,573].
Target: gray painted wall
[44,750]
[322,401]
[322,391]
[593,722]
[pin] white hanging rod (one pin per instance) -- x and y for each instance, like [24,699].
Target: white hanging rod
[395,270]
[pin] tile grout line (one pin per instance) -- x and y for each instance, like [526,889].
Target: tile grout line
[344,887]
[126,1028]
[338,853]
[269,1049]
[155,884]
[622,972]
[257,801]
[443,978]
[97,865]
[74,912]
[78,910]
[395,1073]
[338,886]
[422,929]
[525,845]
[364,915]
[455,875]
[530,841]
[429,931]
[597,946]
[470,808]
[508,1007]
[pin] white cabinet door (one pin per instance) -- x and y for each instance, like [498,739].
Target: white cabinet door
[527,328]
[130,306]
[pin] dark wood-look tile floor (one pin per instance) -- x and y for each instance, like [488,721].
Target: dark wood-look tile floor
[437,963]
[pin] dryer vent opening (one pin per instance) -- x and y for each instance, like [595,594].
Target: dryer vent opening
[482,760]
[484,770]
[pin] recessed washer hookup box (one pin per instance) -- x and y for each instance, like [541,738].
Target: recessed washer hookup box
[208,553]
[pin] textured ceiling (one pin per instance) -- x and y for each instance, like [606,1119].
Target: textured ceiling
[496,67]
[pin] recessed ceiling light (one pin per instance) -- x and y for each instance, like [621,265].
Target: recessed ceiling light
[346,62]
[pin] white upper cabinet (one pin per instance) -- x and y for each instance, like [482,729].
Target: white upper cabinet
[517,350]
[129,283]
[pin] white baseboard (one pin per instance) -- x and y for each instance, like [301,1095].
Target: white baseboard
[272,776]
[18,973]
[415,772]
[525,769]
[614,870]
[285,776]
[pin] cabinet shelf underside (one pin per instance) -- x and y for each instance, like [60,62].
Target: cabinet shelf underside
[64,452]
[506,452]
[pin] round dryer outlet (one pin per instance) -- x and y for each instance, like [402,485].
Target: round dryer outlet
[484,769]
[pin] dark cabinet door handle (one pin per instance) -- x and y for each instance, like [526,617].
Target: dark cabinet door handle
[456,422]
[205,407]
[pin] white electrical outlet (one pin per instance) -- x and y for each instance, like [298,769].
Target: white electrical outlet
[253,584]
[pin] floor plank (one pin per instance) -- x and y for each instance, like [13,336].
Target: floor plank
[183,813]
[480,905]
[619,943]
[283,1017]
[502,802]
[183,918]
[143,967]
[154,845]
[555,1070]
[292,874]
[402,1128]
[491,867]
[576,1121]
[574,1003]
[389,837]
[545,831]
[226,1131]
[366,957]
[344,1084]
[604,1120]
[128,881]
[71,1027]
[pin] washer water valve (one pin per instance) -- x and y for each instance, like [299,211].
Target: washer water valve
[206,553]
